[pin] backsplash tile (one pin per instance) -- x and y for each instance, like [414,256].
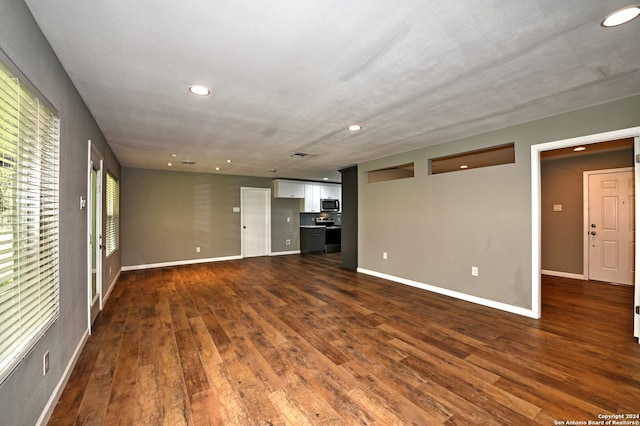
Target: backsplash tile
[308,219]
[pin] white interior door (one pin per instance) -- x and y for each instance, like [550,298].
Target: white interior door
[256,221]
[611,225]
[94,226]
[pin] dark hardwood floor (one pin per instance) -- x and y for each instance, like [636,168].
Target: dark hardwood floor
[298,340]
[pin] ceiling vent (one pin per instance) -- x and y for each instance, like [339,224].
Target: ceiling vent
[299,155]
[189,162]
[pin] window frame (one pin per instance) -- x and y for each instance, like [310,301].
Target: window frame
[30,264]
[112,214]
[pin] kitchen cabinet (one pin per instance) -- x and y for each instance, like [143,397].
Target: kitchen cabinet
[311,202]
[314,192]
[330,191]
[312,239]
[288,189]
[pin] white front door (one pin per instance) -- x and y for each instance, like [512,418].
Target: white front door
[256,221]
[94,226]
[611,226]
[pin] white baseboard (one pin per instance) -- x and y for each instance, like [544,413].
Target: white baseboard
[455,294]
[284,253]
[178,263]
[55,396]
[563,274]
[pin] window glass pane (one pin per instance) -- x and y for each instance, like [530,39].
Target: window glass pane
[29,279]
[113,214]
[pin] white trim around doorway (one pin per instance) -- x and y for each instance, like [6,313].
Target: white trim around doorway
[536,226]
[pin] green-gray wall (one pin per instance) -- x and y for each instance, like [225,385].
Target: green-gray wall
[436,227]
[165,215]
[561,183]
[25,394]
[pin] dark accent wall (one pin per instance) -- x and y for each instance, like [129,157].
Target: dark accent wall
[350,217]
[562,183]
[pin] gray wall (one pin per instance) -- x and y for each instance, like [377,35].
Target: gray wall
[436,227]
[26,392]
[561,183]
[166,214]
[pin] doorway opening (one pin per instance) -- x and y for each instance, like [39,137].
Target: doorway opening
[94,233]
[536,159]
[565,214]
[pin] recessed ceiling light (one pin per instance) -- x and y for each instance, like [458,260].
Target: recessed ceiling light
[228,161]
[621,16]
[169,164]
[325,178]
[579,148]
[354,127]
[464,166]
[199,90]
[174,155]
[217,168]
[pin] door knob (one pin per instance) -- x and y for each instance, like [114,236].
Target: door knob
[593,225]
[593,232]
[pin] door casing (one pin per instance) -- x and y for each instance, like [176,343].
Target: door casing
[536,221]
[94,233]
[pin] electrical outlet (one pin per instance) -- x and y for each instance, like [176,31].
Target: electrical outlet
[474,271]
[197,249]
[45,363]
[384,255]
[287,242]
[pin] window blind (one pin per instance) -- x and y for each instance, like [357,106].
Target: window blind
[113,214]
[29,277]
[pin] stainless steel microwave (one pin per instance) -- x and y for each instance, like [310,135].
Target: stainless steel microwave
[327,205]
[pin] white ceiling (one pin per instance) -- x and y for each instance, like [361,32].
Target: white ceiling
[291,75]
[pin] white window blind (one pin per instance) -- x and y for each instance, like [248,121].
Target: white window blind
[29,278]
[113,214]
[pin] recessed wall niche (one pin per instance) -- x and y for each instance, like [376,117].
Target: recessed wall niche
[402,171]
[492,156]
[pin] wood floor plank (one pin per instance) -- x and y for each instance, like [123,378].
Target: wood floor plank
[148,404]
[289,340]
[175,401]
[122,399]
[192,370]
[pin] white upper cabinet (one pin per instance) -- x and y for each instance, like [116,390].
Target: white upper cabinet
[310,193]
[330,191]
[311,198]
[288,189]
